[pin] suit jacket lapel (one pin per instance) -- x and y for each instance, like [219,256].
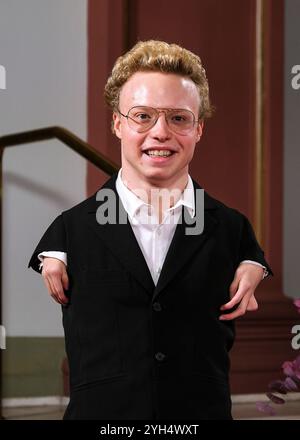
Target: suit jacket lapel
[183,246]
[120,239]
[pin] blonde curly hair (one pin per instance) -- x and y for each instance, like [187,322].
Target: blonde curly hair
[154,55]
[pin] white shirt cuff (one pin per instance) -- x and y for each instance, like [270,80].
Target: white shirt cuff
[62,256]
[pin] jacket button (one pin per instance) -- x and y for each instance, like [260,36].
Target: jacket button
[157,307]
[160,356]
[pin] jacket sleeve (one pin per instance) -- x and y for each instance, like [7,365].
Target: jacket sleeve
[54,239]
[249,247]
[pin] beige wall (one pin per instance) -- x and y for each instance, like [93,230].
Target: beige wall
[43,46]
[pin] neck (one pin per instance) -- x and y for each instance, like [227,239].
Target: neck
[160,194]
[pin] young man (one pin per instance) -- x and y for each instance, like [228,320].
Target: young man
[145,335]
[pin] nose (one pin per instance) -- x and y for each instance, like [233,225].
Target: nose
[160,129]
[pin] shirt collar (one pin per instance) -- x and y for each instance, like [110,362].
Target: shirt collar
[132,202]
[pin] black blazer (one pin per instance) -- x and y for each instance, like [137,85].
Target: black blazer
[140,351]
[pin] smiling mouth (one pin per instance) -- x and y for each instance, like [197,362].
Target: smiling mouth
[159,153]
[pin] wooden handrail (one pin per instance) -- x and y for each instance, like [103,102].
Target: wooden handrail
[71,140]
[68,138]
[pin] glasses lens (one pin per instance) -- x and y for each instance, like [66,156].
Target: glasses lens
[141,118]
[180,121]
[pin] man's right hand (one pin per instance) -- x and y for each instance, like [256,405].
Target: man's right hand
[56,279]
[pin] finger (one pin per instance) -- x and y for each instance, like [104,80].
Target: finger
[50,289]
[242,292]
[58,290]
[54,292]
[53,287]
[55,298]
[234,286]
[65,280]
[48,282]
[252,304]
[229,316]
[240,311]
[48,285]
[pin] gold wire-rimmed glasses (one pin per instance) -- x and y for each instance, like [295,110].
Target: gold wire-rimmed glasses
[142,118]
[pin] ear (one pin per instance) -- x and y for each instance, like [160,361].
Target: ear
[117,125]
[199,130]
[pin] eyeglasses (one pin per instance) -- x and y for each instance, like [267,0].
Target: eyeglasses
[141,119]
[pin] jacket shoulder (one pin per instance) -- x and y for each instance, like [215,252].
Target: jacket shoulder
[211,202]
[90,202]
[84,204]
[223,210]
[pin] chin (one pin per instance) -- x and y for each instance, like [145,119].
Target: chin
[157,176]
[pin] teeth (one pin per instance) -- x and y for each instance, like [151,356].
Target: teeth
[163,153]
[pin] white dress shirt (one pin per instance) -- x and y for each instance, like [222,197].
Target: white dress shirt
[154,238]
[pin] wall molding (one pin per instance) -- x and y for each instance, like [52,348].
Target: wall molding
[15,402]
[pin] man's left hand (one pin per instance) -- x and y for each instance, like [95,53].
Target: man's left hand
[247,277]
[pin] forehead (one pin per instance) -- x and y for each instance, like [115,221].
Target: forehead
[157,89]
